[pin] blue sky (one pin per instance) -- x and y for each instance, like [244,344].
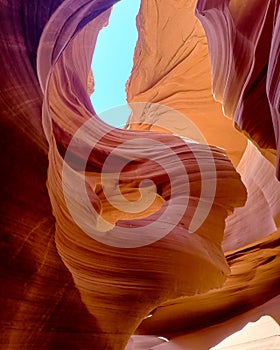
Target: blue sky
[112,61]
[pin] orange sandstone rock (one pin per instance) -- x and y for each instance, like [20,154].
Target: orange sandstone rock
[80,266]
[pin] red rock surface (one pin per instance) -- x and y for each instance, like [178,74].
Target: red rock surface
[73,272]
[244,52]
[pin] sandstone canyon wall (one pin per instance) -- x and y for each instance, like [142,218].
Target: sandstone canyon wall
[89,247]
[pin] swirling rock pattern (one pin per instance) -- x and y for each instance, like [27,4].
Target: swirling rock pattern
[61,287]
[244,51]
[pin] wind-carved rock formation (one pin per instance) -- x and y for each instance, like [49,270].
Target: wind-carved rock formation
[244,52]
[84,264]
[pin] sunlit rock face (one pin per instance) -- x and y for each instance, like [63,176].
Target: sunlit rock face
[171,66]
[82,267]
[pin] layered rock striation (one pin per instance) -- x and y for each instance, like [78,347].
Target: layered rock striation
[139,220]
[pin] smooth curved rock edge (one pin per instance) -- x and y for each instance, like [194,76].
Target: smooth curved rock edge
[244,48]
[42,306]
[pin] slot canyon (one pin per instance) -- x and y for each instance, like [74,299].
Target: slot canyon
[163,234]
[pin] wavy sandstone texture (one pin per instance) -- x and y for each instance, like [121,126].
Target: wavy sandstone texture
[82,267]
[244,49]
